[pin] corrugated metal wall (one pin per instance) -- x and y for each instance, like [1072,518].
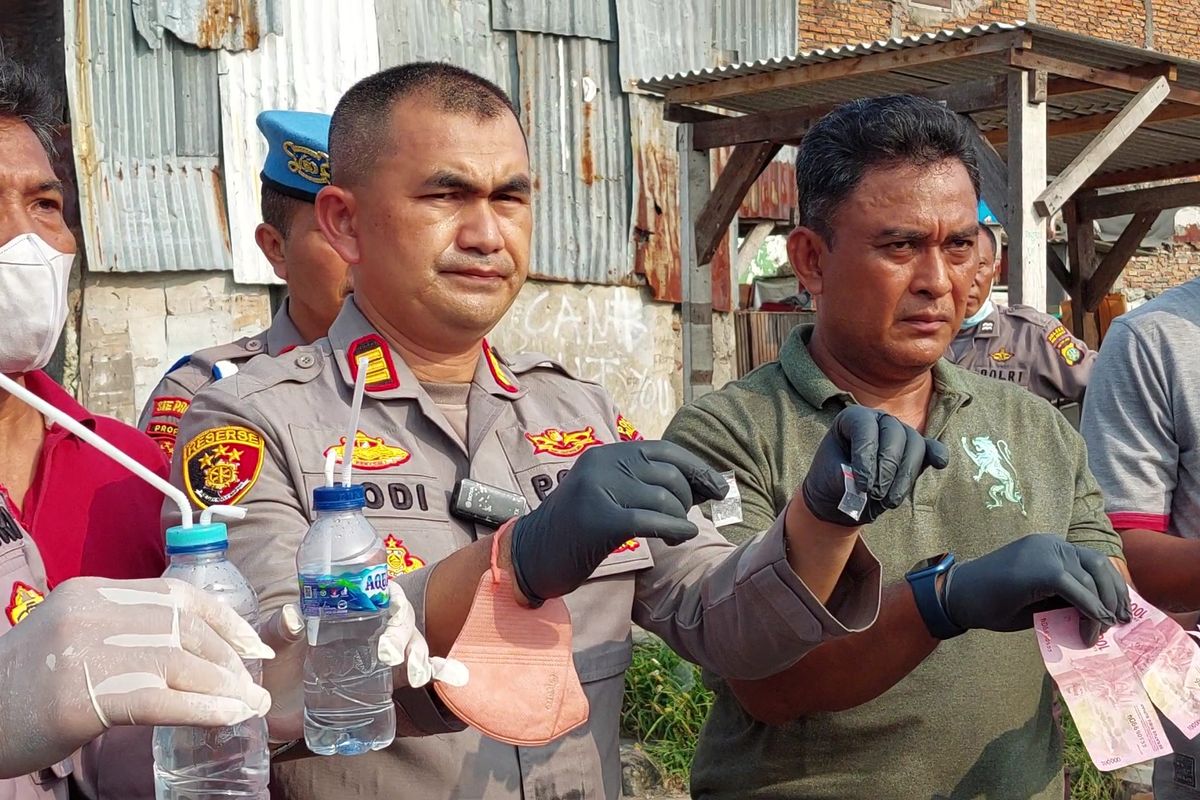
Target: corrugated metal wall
[146,136]
[307,68]
[168,154]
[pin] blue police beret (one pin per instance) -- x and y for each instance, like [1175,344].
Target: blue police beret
[985,214]
[297,162]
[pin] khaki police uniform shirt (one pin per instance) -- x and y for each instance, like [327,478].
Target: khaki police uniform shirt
[174,393]
[259,440]
[1024,346]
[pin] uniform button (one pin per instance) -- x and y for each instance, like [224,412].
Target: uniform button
[305,361]
[254,344]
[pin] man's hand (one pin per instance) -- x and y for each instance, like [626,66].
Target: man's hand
[885,455]
[613,494]
[400,643]
[1002,590]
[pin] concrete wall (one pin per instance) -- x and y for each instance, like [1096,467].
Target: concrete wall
[615,336]
[134,326]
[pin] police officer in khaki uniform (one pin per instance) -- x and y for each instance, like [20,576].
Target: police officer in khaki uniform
[1018,343]
[296,168]
[431,205]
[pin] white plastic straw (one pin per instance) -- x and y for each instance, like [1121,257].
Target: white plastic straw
[360,386]
[330,466]
[232,512]
[26,396]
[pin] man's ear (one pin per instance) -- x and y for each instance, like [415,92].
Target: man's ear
[336,210]
[805,247]
[270,241]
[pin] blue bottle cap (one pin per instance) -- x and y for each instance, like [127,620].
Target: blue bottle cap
[197,537]
[339,498]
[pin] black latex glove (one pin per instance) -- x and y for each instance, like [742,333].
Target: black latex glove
[612,494]
[886,456]
[1002,590]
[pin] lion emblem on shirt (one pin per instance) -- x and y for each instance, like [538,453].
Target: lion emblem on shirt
[994,461]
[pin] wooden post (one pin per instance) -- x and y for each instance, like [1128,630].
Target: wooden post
[1081,246]
[1026,180]
[696,278]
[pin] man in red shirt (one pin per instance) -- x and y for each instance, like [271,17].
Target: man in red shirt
[88,515]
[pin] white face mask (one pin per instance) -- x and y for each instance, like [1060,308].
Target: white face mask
[33,302]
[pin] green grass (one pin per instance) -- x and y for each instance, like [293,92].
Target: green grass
[1087,782]
[665,705]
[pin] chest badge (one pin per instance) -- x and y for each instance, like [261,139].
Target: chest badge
[1001,355]
[626,431]
[994,461]
[627,547]
[370,452]
[24,598]
[399,560]
[564,444]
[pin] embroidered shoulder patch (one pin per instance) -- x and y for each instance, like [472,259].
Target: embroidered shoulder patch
[221,465]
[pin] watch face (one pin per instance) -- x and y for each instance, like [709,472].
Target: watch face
[929,563]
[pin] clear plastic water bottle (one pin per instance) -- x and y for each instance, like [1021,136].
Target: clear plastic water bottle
[211,763]
[342,566]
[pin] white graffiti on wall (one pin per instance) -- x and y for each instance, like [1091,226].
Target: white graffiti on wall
[609,335]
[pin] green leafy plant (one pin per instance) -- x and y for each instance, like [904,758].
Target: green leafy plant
[665,705]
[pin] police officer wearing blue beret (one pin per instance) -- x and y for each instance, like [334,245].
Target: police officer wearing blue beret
[297,167]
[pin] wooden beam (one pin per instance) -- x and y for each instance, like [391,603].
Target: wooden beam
[746,163]
[788,125]
[1059,270]
[1101,281]
[1113,79]
[1098,150]
[993,179]
[1026,180]
[1081,252]
[1186,169]
[1155,199]
[1066,86]
[696,274]
[1096,122]
[673,112]
[850,67]
[751,245]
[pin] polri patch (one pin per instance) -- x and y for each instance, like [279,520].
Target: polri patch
[220,465]
[381,370]
[370,452]
[399,560]
[164,434]
[24,598]
[626,431]
[564,444]
[1002,355]
[171,406]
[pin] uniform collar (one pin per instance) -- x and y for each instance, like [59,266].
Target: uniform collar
[283,334]
[389,376]
[815,387]
[988,327]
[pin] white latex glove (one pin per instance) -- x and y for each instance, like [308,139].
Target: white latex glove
[400,643]
[98,653]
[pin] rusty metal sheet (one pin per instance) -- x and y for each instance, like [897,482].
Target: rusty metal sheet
[587,19]
[457,31]
[146,135]
[754,30]
[577,121]
[773,196]
[232,25]
[656,208]
[663,36]
[308,68]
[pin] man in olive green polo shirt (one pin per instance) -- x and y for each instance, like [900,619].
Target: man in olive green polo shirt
[908,709]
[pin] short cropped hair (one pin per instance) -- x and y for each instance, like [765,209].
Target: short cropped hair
[991,237]
[838,150]
[278,210]
[26,96]
[354,140]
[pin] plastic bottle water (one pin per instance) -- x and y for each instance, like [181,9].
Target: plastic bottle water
[342,565]
[210,763]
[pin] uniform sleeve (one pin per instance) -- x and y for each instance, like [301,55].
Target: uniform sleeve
[170,400]
[1064,366]
[741,611]
[263,545]
[1131,442]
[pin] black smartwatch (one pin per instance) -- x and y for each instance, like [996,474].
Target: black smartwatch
[923,578]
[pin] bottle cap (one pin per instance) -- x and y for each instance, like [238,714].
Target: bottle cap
[197,537]
[339,498]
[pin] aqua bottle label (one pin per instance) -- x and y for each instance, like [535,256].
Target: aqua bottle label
[347,593]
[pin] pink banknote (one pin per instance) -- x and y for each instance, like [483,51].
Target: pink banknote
[1167,661]
[1111,709]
